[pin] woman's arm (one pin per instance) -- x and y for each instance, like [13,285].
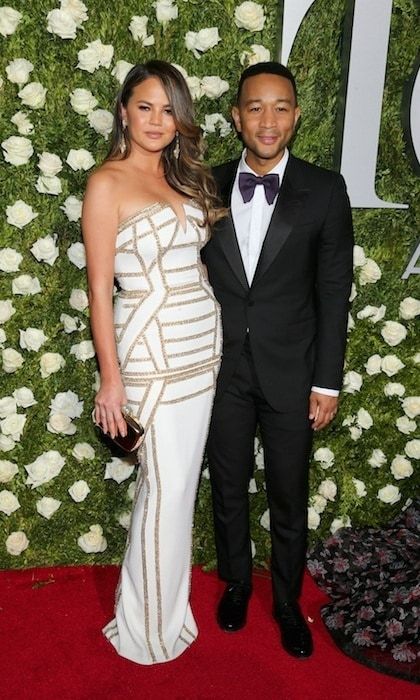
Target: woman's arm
[99,225]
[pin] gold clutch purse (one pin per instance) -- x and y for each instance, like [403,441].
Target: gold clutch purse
[134,437]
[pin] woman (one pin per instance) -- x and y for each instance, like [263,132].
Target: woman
[145,218]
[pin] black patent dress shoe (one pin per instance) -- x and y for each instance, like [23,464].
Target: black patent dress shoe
[296,636]
[233,606]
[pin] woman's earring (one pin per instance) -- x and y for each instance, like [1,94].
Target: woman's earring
[176,147]
[123,144]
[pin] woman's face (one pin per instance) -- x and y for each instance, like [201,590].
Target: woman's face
[150,124]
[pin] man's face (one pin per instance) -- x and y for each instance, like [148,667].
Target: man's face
[266,118]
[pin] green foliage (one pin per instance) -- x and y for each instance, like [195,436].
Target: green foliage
[386,235]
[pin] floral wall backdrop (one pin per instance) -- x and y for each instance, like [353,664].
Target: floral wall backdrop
[64,497]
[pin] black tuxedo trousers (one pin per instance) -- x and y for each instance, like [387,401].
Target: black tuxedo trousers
[281,335]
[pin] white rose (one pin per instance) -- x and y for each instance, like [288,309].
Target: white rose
[7,444]
[32,339]
[78,299]
[405,425]
[360,487]
[46,467]
[48,185]
[77,255]
[76,9]
[18,70]
[215,121]
[50,164]
[328,489]
[359,257]
[325,456]
[373,365]
[24,397]
[80,159]
[394,389]
[265,520]
[314,518]
[355,432]
[412,449]
[249,15]
[68,403]
[7,471]
[118,469]
[9,20]
[373,313]
[181,70]
[8,502]
[124,519]
[72,208]
[12,360]
[416,358]
[17,150]
[71,323]
[93,541]
[20,214]
[8,405]
[83,351]
[122,68]
[165,11]
[24,126]
[17,542]
[6,310]
[389,494]
[252,486]
[338,523]
[79,490]
[46,249]
[51,362]
[82,101]
[318,502]
[60,424]
[62,24]
[377,458]
[101,120]
[82,450]
[47,506]
[353,292]
[391,364]
[95,55]
[194,86]
[13,425]
[10,260]
[131,491]
[33,95]
[409,308]
[138,28]
[255,54]
[393,332]
[350,323]
[352,382]
[411,406]
[364,419]
[202,41]
[213,86]
[2,337]
[25,285]
[370,272]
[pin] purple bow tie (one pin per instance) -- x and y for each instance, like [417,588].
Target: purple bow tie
[248,183]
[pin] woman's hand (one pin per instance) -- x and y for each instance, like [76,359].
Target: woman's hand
[108,403]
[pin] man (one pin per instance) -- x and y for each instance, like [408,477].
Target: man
[281,268]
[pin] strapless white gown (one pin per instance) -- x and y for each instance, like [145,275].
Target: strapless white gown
[168,335]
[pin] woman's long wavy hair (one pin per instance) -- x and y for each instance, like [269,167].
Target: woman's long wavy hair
[186,173]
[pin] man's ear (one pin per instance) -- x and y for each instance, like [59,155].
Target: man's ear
[237,119]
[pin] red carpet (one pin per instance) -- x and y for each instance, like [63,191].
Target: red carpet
[52,648]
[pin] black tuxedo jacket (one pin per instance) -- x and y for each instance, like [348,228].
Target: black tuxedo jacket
[296,308]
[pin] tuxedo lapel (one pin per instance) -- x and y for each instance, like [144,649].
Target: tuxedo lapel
[224,231]
[288,205]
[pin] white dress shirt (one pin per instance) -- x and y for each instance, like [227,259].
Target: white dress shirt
[252,219]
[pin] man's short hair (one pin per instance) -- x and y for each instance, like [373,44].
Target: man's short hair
[272,67]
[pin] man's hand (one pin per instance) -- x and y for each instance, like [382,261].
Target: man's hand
[322,409]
